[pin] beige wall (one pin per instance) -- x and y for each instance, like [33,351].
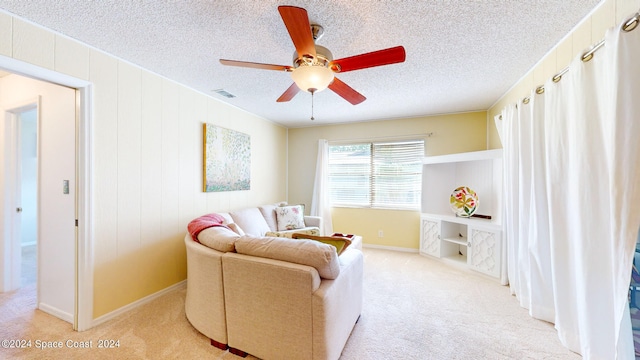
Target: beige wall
[589,32]
[147,141]
[451,134]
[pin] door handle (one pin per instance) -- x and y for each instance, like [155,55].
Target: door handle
[19,209]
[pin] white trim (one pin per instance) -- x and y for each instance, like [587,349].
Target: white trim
[85,236]
[466,156]
[392,248]
[84,256]
[112,315]
[35,72]
[56,312]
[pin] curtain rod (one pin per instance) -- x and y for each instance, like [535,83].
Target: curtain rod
[382,138]
[628,26]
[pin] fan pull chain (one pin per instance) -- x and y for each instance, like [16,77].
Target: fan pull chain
[313,91]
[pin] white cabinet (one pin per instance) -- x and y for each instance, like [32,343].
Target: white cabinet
[484,250]
[473,242]
[430,236]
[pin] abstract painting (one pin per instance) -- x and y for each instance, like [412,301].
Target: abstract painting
[227,159]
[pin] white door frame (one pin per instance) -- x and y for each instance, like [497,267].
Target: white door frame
[83,312]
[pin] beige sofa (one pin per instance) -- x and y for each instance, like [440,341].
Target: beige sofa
[272,297]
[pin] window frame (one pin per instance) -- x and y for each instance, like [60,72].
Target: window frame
[373,199]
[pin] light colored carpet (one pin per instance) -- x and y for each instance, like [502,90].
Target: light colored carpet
[414,308]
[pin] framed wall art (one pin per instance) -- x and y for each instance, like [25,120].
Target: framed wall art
[227,159]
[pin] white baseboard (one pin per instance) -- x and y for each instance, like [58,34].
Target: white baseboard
[51,310]
[392,248]
[106,317]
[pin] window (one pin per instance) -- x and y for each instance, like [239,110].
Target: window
[377,175]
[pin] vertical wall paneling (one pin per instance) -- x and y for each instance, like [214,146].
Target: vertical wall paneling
[624,8]
[33,44]
[564,53]
[582,37]
[186,121]
[6,35]
[104,76]
[71,58]
[549,66]
[539,75]
[152,239]
[603,19]
[170,154]
[129,135]
[151,160]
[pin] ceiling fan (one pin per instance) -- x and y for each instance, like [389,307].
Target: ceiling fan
[313,65]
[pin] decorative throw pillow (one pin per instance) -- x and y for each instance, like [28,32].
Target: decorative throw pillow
[290,217]
[288,234]
[340,243]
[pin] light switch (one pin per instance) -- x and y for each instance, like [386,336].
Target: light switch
[65,187]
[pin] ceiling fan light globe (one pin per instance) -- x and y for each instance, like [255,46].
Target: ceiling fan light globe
[312,77]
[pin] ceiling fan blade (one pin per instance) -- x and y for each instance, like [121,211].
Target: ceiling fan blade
[346,92]
[376,58]
[297,22]
[289,93]
[255,65]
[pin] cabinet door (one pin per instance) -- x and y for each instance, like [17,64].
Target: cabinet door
[483,253]
[430,237]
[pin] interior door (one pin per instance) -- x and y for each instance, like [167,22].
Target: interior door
[57,202]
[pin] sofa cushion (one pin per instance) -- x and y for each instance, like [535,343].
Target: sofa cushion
[218,238]
[340,243]
[289,233]
[290,217]
[269,214]
[251,221]
[322,257]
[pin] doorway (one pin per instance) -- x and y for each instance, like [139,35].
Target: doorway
[28,190]
[82,292]
[40,192]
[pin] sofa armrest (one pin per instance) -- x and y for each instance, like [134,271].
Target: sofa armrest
[204,303]
[268,305]
[313,221]
[337,305]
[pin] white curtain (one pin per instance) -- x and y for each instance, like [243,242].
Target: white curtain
[572,198]
[320,203]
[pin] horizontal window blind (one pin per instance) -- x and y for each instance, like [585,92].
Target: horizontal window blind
[350,174]
[377,175]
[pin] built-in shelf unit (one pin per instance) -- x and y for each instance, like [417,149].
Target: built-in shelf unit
[474,242]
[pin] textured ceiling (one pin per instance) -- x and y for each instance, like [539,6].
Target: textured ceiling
[462,55]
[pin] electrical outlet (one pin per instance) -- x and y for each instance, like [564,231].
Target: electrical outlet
[380,233]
